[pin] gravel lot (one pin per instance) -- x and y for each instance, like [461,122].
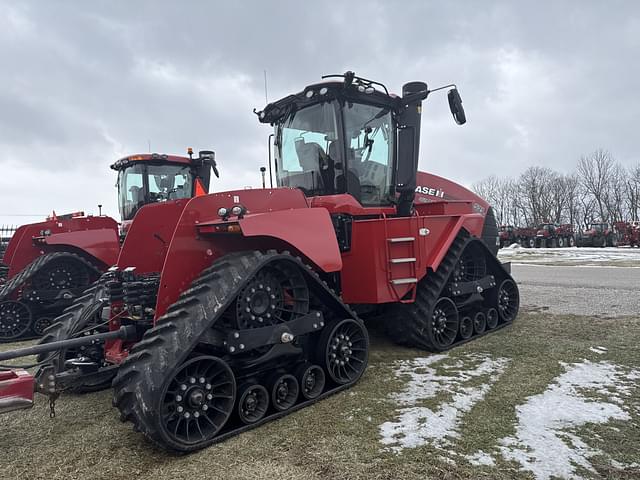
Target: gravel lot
[582,290]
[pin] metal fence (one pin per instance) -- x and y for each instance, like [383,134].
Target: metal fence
[6,232]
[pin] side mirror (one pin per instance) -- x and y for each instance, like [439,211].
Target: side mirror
[455,105]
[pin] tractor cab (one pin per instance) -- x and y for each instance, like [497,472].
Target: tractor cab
[546,230]
[348,135]
[151,178]
[598,227]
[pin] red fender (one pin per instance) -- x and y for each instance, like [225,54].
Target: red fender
[276,219]
[97,237]
[149,235]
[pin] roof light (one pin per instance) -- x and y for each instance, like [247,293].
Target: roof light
[309,94]
[223,212]
[360,88]
[323,90]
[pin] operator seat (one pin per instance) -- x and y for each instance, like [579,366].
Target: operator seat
[312,158]
[348,182]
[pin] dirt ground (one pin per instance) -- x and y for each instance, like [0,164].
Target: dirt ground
[343,436]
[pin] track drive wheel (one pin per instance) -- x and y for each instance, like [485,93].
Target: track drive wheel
[15,320]
[195,402]
[344,351]
[61,274]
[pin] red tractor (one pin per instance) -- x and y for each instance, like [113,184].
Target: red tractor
[507,235]
[628,233]
[598,235]
[48,264]
[255,306]
[550,235]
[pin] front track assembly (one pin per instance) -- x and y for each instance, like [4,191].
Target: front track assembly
[216,365]
[30,299]
[469,295]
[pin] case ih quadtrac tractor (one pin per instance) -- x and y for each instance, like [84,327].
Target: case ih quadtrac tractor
[256,307]
[50,263]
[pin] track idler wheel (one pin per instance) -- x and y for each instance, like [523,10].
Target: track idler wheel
[15,320]
[40,325]
[492,318]
[284,391]
[508,302]
[253,402]
[312,380]
[466,328]
[443,323]
[196,402]
[479,323]
[345,350]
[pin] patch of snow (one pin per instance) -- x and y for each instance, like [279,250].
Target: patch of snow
[624,466]
[417,424]
[544,442]
[571,255]
[599,350]
[480,458]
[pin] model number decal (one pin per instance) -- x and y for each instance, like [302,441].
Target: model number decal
[434,192]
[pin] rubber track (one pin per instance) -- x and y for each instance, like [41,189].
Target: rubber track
[30,270]
[141,376]
[408,323]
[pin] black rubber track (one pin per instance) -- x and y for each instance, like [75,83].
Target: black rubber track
[407,323]
[138,384]
[34,267]
[75,319]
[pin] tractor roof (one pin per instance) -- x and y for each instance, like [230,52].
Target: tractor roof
[349,87]
[156,158]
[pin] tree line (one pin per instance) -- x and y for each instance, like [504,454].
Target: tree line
[599,190]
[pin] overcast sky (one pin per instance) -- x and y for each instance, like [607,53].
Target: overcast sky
[84,83]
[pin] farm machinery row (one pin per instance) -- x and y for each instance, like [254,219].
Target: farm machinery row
[545,235]
[550,235]
[227,310]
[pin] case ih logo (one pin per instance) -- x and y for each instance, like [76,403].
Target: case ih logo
[434,192]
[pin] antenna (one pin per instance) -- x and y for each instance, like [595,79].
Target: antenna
[266,98]
[149,142]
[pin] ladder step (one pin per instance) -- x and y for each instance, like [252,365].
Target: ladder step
[403,260]
[404,281]
[401,239]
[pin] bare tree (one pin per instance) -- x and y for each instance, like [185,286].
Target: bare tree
[632,188]
[595,171]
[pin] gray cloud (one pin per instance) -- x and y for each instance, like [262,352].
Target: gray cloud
[85,84]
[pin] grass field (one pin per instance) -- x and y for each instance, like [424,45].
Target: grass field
[483,418]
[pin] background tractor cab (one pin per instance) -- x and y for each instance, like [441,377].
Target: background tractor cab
[153,177]
[348,135]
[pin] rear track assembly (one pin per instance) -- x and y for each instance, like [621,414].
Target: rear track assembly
[185,387]
[462,300]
